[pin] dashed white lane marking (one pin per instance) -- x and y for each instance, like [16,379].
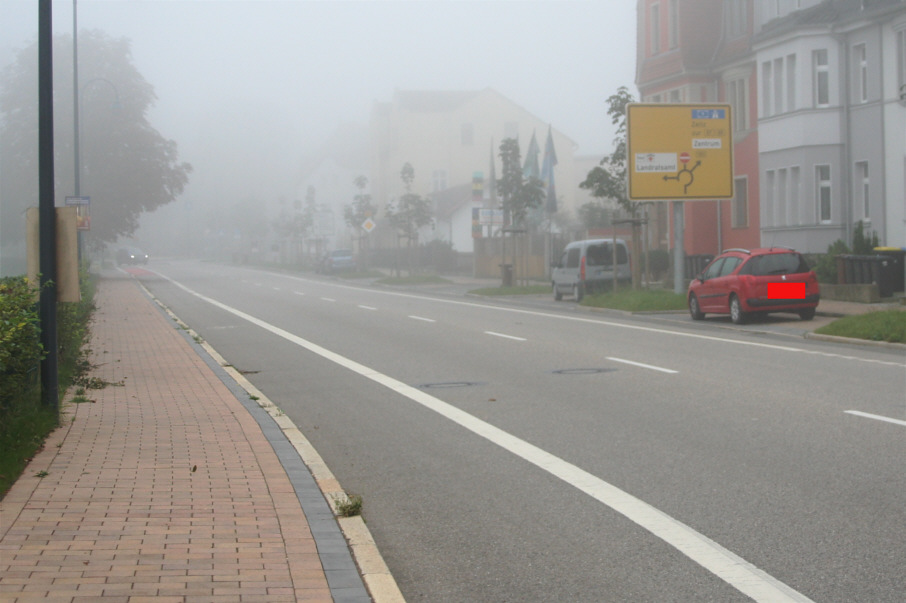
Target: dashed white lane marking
[723,563]
[505,336]
[421,318]
[330,299]
[875,417]
[299,293]
[647,366]
[367,307]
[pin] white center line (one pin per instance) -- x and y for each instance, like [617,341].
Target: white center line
[875,417]
[505,336]
[647,366]
[723,563]
[423,319]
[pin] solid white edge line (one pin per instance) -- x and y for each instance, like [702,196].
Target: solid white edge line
[867,415]
[647,366]
[726,565]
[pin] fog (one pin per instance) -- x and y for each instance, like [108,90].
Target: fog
[249,89]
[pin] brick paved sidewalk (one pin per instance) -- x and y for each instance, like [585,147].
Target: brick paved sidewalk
[162,488]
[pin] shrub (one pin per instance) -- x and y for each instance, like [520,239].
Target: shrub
[20,347]
[826,264]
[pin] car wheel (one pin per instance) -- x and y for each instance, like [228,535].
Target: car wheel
[558,296]
[807,313]
[578,292]
[736,312]
[694,310]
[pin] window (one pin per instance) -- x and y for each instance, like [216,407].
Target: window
[467,134]
[769,193]
[730,264]
[673,32]
[654,28]
[862,190]
[795,214]
[676,96]
[737,18]
[791,82]
[738,97]
[766,94]
[780,209]
[822,78]
[860,75]
[823,192]
[740,207]
[778,86]
[901,63]
[439,180]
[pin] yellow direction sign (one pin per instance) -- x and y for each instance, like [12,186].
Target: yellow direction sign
[679,152]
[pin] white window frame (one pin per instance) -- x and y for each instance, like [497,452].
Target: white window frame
[780,208]
[438,180]
[823,185]
[795,184]
[769,195]
[737,93]
[778,86]
[821,83]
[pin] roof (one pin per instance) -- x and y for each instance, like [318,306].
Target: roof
[828,13]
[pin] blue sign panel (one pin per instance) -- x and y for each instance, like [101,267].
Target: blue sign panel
[709,114]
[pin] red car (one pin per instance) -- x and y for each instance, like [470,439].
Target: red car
[740,282]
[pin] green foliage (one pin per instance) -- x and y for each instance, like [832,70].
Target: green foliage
[886,325]
[653,300]
[659,261]
[595,215]
[24,420]
[862,243]
[361,208]
[20,347]
[528,290]
[351,507]
[520,195]
[826,263]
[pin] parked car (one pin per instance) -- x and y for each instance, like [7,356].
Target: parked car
[131,256]
[742,282]
[338,260]
[587,266]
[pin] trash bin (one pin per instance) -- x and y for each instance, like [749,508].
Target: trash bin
[898,270]
[506,271]
[867,269]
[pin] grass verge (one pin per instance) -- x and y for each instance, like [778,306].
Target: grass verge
[650,300]
[527,290]
[428,279]
[885,325]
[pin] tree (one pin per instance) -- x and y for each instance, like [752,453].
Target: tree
[410,212]
[127,167]
[357,212]
[608,180]
[519,195]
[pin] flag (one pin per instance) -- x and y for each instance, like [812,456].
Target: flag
[530,167]
[547,172]
[492,184]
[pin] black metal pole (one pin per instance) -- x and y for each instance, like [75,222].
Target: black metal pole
[46,211]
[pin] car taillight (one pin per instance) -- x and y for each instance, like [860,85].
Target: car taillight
[582,270]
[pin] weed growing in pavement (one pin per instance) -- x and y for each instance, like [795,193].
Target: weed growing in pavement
[351,507]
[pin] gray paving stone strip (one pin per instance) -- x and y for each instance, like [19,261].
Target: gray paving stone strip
[170,484]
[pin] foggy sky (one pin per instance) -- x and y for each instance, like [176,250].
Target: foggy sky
[248,86]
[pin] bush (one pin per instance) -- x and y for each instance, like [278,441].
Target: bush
[20,347]
[24,420]
[826,264]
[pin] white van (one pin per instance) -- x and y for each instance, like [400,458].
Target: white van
[587,266]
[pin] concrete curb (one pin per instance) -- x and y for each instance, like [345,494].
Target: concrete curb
[375,574]
[855,341]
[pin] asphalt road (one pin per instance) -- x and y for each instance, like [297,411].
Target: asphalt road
[530,451]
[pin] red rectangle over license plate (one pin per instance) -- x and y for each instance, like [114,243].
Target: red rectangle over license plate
[786,290]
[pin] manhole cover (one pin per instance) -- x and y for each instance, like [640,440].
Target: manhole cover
[583,371]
